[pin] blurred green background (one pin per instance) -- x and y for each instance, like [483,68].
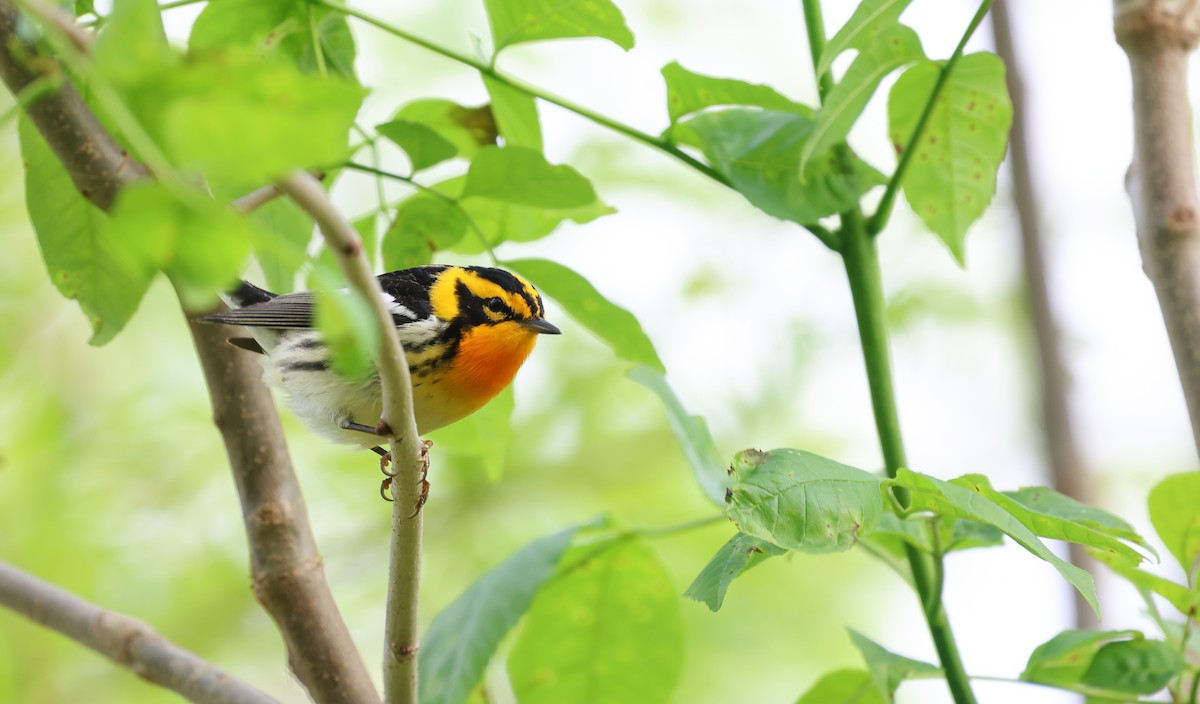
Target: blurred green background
[114,484]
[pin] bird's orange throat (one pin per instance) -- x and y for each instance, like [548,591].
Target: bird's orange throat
[488,358]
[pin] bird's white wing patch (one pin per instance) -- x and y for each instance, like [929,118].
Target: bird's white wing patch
[397,308]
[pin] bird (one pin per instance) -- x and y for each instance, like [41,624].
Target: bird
[465,330]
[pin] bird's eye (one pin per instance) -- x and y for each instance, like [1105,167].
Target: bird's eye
[495,305]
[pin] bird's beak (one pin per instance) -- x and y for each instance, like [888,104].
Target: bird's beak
[540,325]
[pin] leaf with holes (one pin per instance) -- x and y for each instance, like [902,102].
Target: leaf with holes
[952,175]
[894,46]
[801,501]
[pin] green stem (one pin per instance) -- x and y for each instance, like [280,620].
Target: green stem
[861,260]
[880,219]
[659,143]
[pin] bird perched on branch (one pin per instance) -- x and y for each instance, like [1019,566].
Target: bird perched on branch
[465,331]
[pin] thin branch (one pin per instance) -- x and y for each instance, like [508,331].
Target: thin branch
[397,422]
[124,640]
[1063,456]
[884,211]
[1162,182]
[63,23]
[288,576]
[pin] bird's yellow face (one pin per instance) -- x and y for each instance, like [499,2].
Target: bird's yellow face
[498,316]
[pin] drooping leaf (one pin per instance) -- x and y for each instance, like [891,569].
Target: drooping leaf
[843,687]
[464,636]
[605,629]
[1185,600]
[1063,660]
[946,499]
[801,501]
[423,145]
[889,670]
[516,115]
[485,434]
[423,225]
[1175,513]
[689,92]
[466,128]
[692,433]
[1049,502]
[735,557]
[1042,518]
[892,47]
[516,21]
[869,19]
[296,29]
[759,152]
[1134,666]
[615,326]
[523,176]
[952,176]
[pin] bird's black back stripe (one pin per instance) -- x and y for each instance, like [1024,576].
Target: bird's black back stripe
[317,366]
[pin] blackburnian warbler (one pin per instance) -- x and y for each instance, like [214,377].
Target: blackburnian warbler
[465,331]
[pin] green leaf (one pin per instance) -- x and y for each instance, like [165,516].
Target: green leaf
[1134,666]
[1186,601]
[423,145]
[843,687]
[1051,503]
[689,92]
[507,222]
[607,628]
[464,636]
[759,152]
[365,227]
[132,41]
[735,557]
[68,231]
[894,46]
[1041,517]
[348,329]
[249,121]
[869,19]
[1175,513]
[516,115]
[467,129]
[278,27]
[200,245]
[952,176]
[953,534]
[801,501]
[615,326]
[516,21]
[523,176]
[281,255]
[946,499]
[888,669]
[692,433]
[1063,660]
[485,434]
[424,224]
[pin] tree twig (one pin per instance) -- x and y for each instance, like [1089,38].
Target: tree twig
[124,640]
[1162,186]
[288,576]
[397,422]
[1063,457]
